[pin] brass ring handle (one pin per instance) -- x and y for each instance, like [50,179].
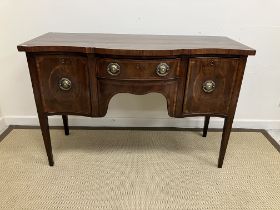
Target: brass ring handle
[65,84]
[162,69]
[114,69]
[208,86]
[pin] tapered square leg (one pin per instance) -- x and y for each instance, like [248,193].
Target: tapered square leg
[65,124]
[225,137]
[206,124]
[46,137]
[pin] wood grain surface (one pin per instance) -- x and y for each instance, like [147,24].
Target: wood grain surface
[138,45]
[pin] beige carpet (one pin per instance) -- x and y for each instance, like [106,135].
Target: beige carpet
[138,170]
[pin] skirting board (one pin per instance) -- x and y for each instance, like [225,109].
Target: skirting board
[3,125]
[190,122]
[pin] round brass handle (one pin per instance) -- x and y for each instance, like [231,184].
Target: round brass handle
[208,86]
[65,84]
[114,69]
[162,69]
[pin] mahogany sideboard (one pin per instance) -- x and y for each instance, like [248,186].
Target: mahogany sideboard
[78,74]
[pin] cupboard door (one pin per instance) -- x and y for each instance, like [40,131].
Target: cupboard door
[64,84]
[209,86]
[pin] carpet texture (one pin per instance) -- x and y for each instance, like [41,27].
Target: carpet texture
[117,169]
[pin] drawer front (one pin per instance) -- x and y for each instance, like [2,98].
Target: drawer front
[64,83]
[209,85]
[138,69]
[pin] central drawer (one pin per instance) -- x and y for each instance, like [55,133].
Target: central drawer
[155,69]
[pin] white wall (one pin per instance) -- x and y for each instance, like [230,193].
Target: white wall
[252,22]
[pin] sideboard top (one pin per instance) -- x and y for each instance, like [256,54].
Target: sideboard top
[138,45]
